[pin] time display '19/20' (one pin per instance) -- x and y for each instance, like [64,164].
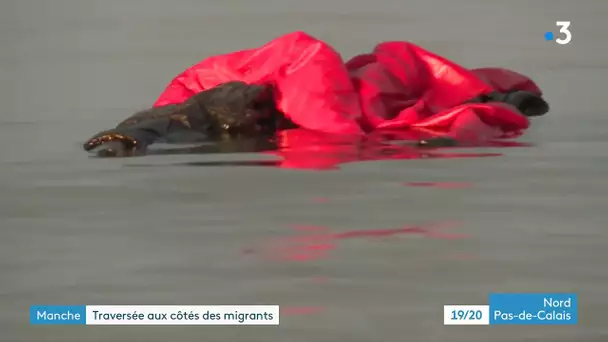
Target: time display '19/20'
[565,36]
[467,314]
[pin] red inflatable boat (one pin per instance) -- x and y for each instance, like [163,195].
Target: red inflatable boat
[397,86]
[342,111]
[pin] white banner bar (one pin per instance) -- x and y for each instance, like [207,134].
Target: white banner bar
[182,315]
[466,315]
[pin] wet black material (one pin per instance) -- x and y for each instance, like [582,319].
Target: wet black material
[231,110]
[525,102]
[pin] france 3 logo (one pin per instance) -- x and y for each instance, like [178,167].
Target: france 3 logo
[564,37]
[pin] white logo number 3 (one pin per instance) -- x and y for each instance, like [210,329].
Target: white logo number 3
[564,25]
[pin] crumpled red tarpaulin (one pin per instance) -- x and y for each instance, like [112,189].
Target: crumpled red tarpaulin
[398,86]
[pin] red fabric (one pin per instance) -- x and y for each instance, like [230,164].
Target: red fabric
[398,85]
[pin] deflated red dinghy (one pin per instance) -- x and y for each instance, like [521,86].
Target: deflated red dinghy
[297,87]
[398,85]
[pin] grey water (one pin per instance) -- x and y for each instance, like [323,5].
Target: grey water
[80,230]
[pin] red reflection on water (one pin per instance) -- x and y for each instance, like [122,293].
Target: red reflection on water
[310,150]
[319,243]
[305,149]
[443,185]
